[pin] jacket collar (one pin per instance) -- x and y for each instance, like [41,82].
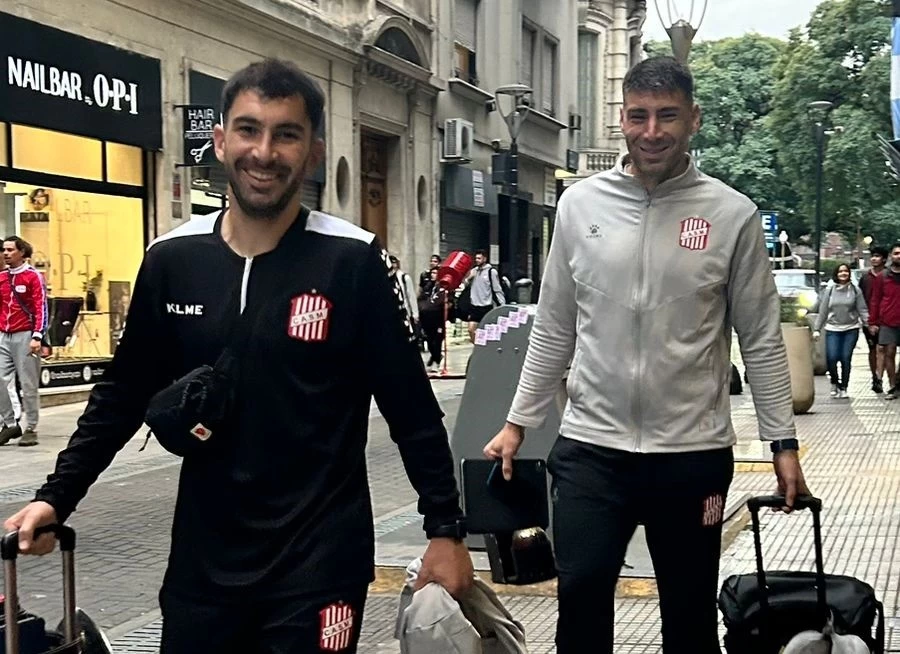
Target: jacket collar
[688,178]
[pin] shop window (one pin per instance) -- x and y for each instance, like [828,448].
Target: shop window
[123,164]
[3,145]
[89,247]
[55,153]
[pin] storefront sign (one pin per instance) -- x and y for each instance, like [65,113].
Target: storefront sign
[478,188]
[197,124]
[72,373]
[59,81]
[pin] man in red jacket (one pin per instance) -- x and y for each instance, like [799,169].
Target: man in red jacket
[884,318]
[23,320]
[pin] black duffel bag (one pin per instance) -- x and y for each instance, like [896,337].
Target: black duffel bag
[791,602]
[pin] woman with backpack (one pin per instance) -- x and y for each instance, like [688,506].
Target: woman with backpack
[842,310]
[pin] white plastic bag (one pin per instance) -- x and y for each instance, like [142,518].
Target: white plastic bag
[825,642]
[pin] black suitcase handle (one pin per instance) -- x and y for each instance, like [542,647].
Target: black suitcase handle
[9,550]
[9,544]
[814,504]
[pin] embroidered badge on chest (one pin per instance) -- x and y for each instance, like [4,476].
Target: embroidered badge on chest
[310,317]
[694,233]
[336,627]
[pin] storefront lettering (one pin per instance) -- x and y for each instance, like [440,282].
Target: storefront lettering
[50,80]
[200,123]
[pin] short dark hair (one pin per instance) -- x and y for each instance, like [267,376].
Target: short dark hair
[837,268]
[436,256]
[659,75]
[276,78]
[895,246]
[21,244]
[880,251]
[481,252]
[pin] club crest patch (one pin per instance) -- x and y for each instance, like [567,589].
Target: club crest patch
[336,627]
[713,510]
[694,233]
[201,432]
[309,318]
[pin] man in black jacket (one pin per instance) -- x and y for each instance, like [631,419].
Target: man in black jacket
[273,545]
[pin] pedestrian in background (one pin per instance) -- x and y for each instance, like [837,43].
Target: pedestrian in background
[841,311]
[650,265]
[23,322]
[877,259]
[884,319]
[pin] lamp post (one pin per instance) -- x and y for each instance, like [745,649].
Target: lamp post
[681,32]
[513,119]
[819,112]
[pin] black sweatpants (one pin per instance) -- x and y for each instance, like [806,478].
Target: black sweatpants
[599,496]
[433,327]
[327,622]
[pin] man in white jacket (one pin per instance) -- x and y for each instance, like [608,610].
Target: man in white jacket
[651,265]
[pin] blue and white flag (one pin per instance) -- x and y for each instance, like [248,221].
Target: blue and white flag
[895,77]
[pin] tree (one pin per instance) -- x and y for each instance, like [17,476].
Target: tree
[844,59]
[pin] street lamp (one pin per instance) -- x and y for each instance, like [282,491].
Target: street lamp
[681,32]
[819,112]
[513,119]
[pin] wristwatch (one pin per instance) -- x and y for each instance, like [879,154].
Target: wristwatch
[456,529]
[784,444]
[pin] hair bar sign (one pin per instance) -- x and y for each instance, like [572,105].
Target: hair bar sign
[60,81]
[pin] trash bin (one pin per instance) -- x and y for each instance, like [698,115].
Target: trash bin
[523,288]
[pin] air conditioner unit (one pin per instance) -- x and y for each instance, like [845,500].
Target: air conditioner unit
[457,140]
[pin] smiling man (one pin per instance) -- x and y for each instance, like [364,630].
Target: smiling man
[272,540]
[651,265]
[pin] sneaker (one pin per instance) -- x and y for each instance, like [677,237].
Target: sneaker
[891,394]
[843,394]
[29,438]
[834,390]
[877,386]
[9,433]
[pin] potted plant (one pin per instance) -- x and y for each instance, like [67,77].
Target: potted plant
[799,345]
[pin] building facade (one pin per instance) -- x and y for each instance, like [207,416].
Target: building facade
[609,43]
[484,45]
[105,107]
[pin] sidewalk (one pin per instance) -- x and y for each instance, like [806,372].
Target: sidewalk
[852,462]
[851,458]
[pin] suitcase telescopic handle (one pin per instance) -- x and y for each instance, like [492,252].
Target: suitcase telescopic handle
[9,552]
[814,504]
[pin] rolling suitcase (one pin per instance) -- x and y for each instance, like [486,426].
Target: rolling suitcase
[24,633]
[763,611]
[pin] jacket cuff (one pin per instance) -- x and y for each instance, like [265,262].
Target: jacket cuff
[63,510]
[778,435]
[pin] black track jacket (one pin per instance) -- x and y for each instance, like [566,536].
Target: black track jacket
[285,508]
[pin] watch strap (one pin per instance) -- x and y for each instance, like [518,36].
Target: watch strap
[784,444]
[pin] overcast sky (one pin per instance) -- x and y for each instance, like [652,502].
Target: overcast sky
[732,17]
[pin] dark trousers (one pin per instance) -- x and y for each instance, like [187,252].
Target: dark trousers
[599,496]
[328,622]
[433,328]
[839,348]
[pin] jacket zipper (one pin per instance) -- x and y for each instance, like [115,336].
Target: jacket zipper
[638,312]
[245,282]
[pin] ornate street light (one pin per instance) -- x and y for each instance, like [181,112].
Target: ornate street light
[679,28]
[518,110]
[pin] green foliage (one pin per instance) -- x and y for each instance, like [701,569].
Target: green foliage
[757,133]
